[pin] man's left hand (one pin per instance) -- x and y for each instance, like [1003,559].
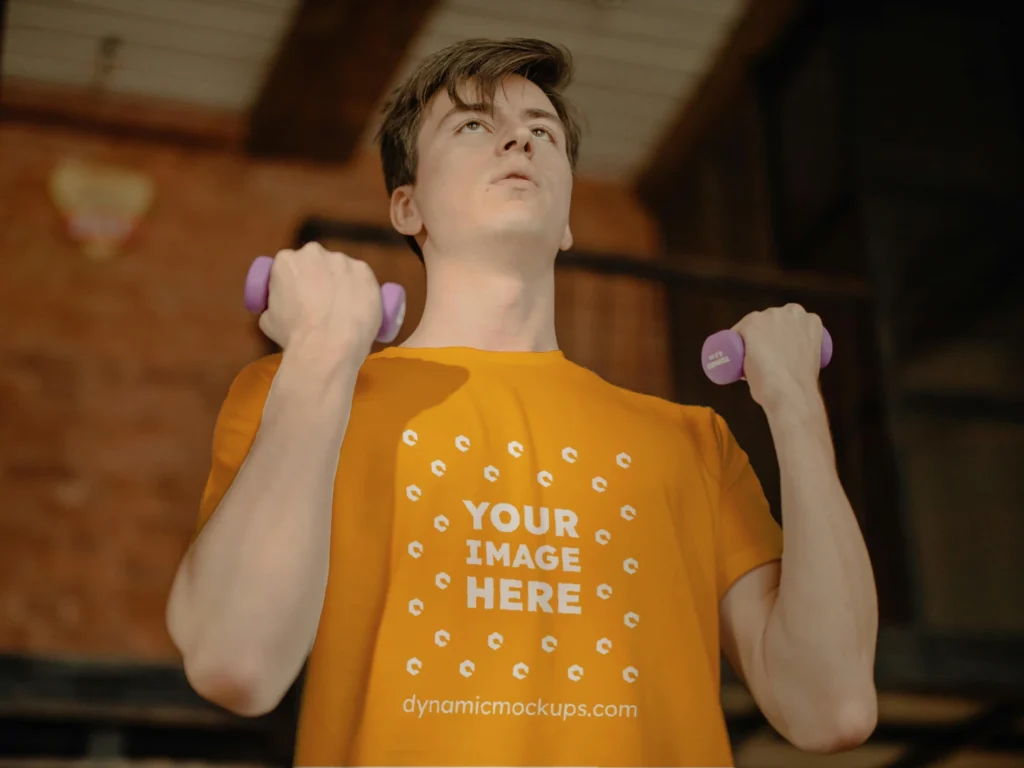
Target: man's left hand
[782,356]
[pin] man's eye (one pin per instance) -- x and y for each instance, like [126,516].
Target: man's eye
[544,133]
[472,125]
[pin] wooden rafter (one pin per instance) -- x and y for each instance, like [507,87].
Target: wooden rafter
[760,25]
[121,115]
[329,75]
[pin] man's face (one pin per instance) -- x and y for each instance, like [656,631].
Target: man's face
[490,177]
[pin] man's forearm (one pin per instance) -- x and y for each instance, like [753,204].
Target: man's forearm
[246,603]
[819,644]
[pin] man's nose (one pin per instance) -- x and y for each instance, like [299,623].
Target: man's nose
[519,138]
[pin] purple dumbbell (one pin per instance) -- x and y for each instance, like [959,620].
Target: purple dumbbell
[722,355]
[392,295]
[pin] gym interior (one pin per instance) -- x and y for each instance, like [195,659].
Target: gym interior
[863,159]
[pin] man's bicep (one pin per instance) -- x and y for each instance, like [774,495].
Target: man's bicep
[747,536]
[743,621]
[749,551]
[743,616]
[224,465]
[234,432]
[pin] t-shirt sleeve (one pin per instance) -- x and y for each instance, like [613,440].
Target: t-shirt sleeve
[235,431]
[747,534]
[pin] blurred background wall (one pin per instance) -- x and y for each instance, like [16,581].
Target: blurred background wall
[863,159]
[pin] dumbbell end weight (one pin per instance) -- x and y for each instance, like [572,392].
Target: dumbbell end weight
[392,295]
[257,284]
[722,355]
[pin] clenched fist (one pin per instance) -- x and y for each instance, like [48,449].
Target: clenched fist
[783,354]
[322,297]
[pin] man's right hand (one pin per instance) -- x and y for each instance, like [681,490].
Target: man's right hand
[323,296]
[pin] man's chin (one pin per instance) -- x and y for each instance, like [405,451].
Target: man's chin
[532,236]
[519,221]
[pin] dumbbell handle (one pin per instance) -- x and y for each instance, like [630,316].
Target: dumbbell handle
[722,355]
[392,295]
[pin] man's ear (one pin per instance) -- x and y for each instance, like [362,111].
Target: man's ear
[405,216]
[567,239]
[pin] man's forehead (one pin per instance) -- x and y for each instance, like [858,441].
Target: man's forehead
[514,92]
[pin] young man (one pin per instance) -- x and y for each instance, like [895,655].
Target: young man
[490,555]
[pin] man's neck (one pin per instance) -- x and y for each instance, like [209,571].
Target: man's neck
[485,309]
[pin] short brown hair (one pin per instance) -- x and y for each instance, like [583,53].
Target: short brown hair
[487,62]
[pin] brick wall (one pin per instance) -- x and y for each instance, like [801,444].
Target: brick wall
[111,374]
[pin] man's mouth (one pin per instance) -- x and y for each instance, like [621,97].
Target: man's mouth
[515,172]
[517,177]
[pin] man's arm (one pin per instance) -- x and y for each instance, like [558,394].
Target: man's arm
[802,633]
[246,601]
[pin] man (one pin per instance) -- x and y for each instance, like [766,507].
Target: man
[489,555]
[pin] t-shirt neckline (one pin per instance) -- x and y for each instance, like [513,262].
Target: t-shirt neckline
[472,355]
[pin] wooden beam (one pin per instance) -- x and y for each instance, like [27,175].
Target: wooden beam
[123,116]
[3,27]
[760,25]
[330,75]
[698,273]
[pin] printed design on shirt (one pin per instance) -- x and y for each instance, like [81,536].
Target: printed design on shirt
[552,590]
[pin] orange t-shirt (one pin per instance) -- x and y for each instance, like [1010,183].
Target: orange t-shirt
[526,565]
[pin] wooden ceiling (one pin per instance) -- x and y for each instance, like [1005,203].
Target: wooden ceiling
[212,53]
[308,75]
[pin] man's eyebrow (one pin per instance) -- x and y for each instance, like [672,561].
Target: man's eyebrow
[541,114]
[533,113]
[478,106]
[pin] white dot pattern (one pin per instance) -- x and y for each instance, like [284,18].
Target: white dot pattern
[604,537]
